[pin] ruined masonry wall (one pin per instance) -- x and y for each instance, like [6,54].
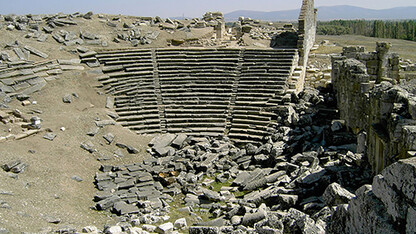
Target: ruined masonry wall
[386,206]
[383,112]
[307,30]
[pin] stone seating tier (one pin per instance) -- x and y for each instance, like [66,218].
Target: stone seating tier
[197,91]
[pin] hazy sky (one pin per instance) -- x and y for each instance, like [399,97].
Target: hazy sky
[171,8]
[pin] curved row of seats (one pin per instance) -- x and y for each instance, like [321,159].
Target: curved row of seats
[207,92]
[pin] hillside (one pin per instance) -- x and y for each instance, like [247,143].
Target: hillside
[329,13]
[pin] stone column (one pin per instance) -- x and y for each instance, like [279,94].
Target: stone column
[382,50]
[220,29]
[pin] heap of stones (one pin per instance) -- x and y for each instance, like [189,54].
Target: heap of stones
[258,30]
[290,183]
[20,77]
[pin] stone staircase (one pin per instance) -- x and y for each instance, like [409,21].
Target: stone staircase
[200,92]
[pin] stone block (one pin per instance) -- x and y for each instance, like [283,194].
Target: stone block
[411,220]
[249,219]
[179,140]
[88,146]
[164,228]
[406,181]
[180,224]
[335,195]
[161,141]
[122,208]
[107,203]
[204,230]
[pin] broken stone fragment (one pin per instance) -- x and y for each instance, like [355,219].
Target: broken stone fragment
[180,224]
[122,208]
[103,123]
[109,103]
[35,122]
[249,219]
[67,98]
[77,178]
[88,146]
[335,195]
[109,137]
[130,149]
[50,136]
[165,228]
[14,166]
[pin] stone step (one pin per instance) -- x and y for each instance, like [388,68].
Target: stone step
[139,79]
[128,89]
[123,114]
[252,99]
[126,105]
[198,72]
[263,89]
[252,122]
[135,62]
[169,91]
[138,69]
[149,131]
[200,67]
[201,95]
[124,84]
[132,118]
[241,136]
[219,130]
[251,111]
[192,85]
[198,132]
[121,56]
[123,53]
[264,81]
[191,115]
[141,124]
[257,93]
[143,102]
[245,142]
[129,74]
[208,120]
[250,126]
[259,52]
[263,75]
[148,126]
[251,132]
[197,107]
[136,108]
[253,117]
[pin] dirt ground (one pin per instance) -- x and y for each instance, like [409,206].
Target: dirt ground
[46,190]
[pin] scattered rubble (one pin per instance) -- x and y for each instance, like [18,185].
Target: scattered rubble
[276,186]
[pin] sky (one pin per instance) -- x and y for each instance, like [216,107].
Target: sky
[175,8]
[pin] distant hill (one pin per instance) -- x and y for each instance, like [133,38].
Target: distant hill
[329,13]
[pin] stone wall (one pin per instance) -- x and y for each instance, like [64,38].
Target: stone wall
[307,30]
[386,206]
[384,114]
[381,65]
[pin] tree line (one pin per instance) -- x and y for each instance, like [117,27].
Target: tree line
[404,29]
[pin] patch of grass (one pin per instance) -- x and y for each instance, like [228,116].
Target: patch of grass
[406,49]
[216,186]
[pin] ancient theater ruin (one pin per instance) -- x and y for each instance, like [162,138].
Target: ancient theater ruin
[206,92]
[128,124]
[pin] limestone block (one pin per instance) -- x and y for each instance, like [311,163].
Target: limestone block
[367,214]
[395,205]
[334,195]
[411,220]
[406,181]
[165,228]
[409,137]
